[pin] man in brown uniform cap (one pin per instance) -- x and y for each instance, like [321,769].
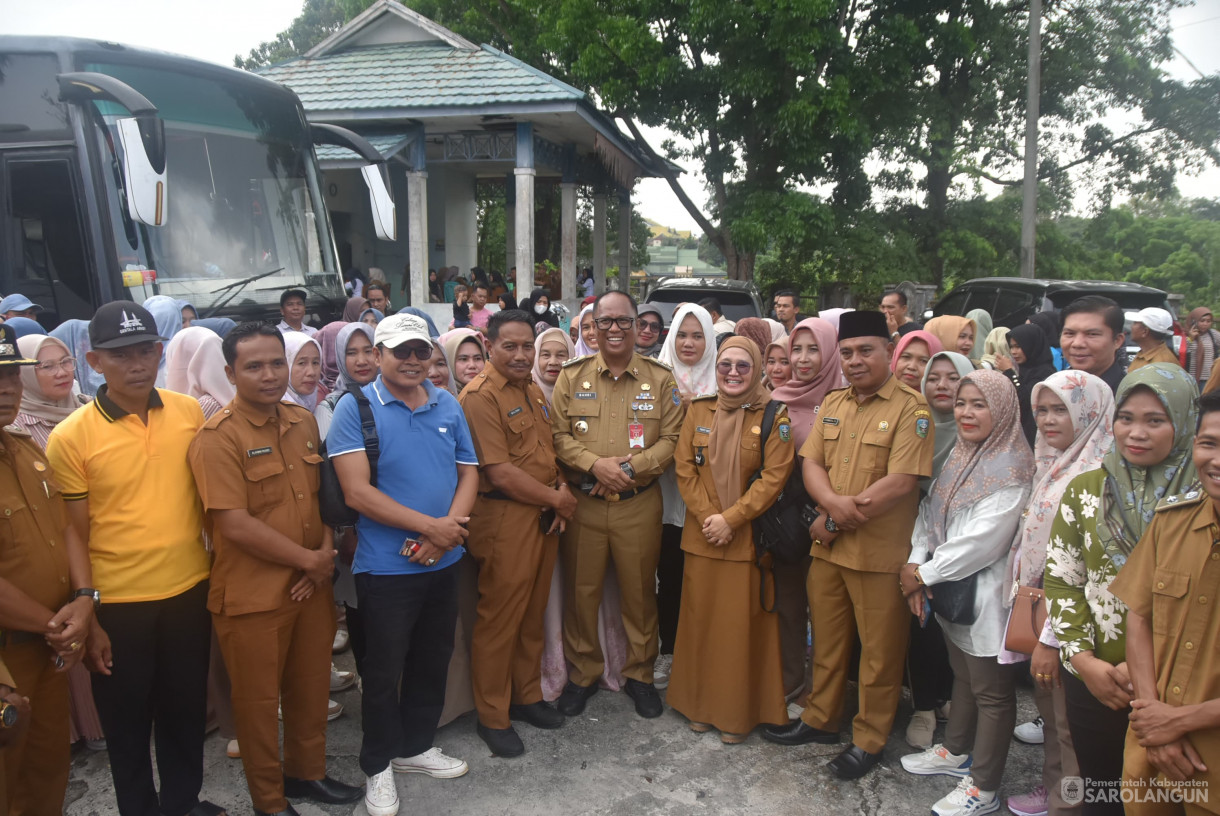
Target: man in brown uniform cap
[522,506]
[616,420]
[870,445]
[46,605]
[256,467]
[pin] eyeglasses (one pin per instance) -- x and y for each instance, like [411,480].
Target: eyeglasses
[604,323]
[727,366]
[647,325]
[405,352]
[67,363]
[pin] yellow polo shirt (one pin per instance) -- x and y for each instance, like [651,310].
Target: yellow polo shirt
[145,517]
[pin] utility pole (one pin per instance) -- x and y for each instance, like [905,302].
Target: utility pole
[1029,205]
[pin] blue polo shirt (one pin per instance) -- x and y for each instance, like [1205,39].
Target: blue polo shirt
[420,452]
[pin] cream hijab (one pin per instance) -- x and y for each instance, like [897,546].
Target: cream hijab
[700,378]
[33,400]
[294,341]
[195,365]
[549,336]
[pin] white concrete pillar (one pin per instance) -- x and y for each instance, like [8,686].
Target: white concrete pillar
[510,235]
[461,221]
[417,234]
[624,241]
[567,239]
[524,174]
[599,242]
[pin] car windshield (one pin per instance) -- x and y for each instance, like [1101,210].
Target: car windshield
[243,198]
[736,304]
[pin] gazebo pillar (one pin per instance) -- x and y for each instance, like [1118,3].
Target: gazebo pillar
[624,241]
[417,221]
[524,220]
[510,229]
[567,228]
[599,241]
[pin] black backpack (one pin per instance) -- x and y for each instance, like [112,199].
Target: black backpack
[783,528]
[335,511]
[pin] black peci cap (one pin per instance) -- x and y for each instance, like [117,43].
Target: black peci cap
[122,323]
[863,324]
[9,353]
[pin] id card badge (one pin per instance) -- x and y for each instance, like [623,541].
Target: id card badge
[635,434]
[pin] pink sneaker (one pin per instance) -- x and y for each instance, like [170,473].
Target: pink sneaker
[1034,803]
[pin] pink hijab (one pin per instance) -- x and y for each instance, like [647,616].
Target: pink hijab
[932,341]
[195,366]
[804,399]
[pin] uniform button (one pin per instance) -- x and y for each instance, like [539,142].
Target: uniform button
[1202,599]
[845,459]
[1216,556]
[307,526]
[853,436]
[63,580]
[52,543]
[8,512]
[1160,584]
[300,495]
[1188,645]
[34,507]
[1177,689]
[612,414]
[290,467]
[860,409]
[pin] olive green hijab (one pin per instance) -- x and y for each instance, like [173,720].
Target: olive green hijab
[1131,493]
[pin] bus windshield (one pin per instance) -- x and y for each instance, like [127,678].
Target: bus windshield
[243,197]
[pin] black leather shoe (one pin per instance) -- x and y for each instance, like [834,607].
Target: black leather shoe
[797,732]
[572,701]
[325,790]
[647,701]
[853,763]
[503,742]
[539,715]
[288,811]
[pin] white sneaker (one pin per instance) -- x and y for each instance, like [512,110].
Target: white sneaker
[233,750]
[967,800]
[1030,732]
[333,710]
[342,639]
[661,669]
[431,762]
[381,794]
[341,680]
[937,761]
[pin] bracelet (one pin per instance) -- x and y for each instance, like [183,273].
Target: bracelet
[919,577]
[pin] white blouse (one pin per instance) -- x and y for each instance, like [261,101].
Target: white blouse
[978,541]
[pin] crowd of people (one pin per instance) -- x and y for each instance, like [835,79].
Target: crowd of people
[506,518]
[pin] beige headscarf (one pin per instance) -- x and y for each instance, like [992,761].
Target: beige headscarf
[33,401]
[550,336]
[195,365]
[724,444]
[948,327]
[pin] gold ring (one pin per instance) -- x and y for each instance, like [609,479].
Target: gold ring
[74,645]
[431,561]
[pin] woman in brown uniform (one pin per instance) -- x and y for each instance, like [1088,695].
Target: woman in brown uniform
[727,672]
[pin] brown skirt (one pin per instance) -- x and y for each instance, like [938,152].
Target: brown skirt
[727,669]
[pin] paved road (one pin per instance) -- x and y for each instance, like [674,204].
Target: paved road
[608,762]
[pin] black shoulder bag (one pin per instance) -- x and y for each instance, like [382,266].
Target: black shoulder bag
[335,511]
[782,529]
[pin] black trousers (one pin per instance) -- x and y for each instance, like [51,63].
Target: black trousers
[928,671]
[355,633]
[409,624]
[158,684]
[1104,731]
[669,585]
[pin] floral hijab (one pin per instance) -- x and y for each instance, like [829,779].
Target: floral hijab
[976,470]
[1090,402]
[1131,493]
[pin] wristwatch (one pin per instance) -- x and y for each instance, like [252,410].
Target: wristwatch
[90,593]
[628,469]
[831,527]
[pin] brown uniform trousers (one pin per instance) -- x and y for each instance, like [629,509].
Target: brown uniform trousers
[509,425]
[853,585]
[277,650]
[33,557]
[592,415]
[1173,579]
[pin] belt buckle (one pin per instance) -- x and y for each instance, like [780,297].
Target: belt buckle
[613,497]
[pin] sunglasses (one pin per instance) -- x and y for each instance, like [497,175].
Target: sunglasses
[648,325]
[406,352]
[727,366]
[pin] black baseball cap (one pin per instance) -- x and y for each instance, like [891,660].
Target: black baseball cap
[122,323]
[10,354]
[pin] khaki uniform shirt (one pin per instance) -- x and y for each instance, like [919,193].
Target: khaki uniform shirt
[592,411]
[692,462]
[509,424]
[1172,578]
[1159,354]
[33,555]
[268,466]
[859,444]
[6,679]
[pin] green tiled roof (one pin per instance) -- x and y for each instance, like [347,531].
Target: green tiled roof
[384,142]
[416,75]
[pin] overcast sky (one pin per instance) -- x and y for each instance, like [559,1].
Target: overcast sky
[216,30]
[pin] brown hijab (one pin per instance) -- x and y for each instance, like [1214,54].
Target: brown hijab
[725,441]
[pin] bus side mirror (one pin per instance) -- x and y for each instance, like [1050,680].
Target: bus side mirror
[385,222]
[141,146]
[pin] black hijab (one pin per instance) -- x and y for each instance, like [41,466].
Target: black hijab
[527,306]
[1051,326]
[1039,364]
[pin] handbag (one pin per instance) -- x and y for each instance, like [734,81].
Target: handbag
[954,600]
[331,503]
[1026,621]
[782,529]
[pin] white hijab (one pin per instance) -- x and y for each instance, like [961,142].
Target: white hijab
[699,378]
[293,343]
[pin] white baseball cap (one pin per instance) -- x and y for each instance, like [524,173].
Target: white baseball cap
[1159,320]
[398,329]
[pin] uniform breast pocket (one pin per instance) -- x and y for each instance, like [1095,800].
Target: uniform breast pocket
[875,452]
[522,435]
[266,485]
[1168,591]
[585,420]
[10,518]
[751,452]
[312,463]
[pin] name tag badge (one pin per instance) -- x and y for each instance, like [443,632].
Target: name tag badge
[645,396]
[586,395]
[635,434]
[701,429]
[250,454]
[514,412]
[830,420]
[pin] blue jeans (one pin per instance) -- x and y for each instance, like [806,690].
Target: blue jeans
[409,623]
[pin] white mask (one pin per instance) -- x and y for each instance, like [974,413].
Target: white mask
[539,308]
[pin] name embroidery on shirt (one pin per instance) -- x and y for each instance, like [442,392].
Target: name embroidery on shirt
[251,453]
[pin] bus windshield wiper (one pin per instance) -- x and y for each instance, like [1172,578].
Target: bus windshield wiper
[237,286]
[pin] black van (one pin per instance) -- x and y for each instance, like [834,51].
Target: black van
[1010,301]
